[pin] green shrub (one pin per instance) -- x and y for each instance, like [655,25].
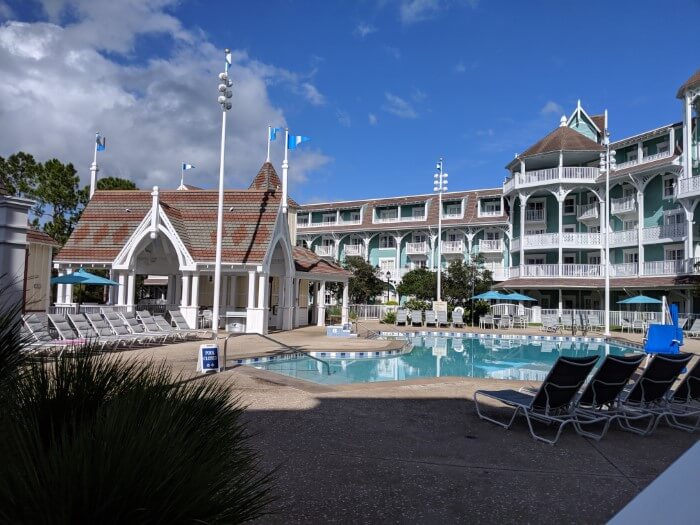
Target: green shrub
[417,304]
[391,303]
[92,438]
[389,318]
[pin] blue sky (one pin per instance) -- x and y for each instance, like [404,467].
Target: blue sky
[385,87]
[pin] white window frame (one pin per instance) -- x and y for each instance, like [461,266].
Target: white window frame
[306,215]
[677,214]
[573,205]
[490,207]
[355,216]
[676,248]
[327,241]
[492,235]
[388,213]
[594,229]
[535,231]
[457,209]
[534,202]
[569,254]
[662,145]
[632,155]
[536,257]
[663,187]
[328,215]
[390,242]
[419,237]
[628,191]
[630,251]
[387,264]
[593,258]
[569,228]
[634,222]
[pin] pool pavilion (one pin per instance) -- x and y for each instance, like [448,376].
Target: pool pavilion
[267,283]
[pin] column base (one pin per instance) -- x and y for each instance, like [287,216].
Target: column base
[256,322]
[321,316]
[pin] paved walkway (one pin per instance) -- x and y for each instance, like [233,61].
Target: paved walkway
[415,452]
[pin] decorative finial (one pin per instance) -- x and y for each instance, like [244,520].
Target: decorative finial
[562,121]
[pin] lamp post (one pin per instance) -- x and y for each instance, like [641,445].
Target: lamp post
[224,95]
[388,285]
[473,279]
[607,164]
[439,185]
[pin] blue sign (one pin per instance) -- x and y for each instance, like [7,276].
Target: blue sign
[209,356]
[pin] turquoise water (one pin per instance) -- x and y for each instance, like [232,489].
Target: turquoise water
[522,359]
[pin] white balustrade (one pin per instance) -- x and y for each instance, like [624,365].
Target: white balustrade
[623,238]
[581,270]
[672,232]
[514,272]
[534,215]
[577,239]
[452,247]
[624,270]
[416,248]
[325,251]
[567,174]
[688,186]
[540,270]
[354,250]
[490,213]
[664,267]
[515,244]
[542,240]
[490,245]
[623,205]
[587,211]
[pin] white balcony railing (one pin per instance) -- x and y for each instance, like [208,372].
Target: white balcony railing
[542,240]
[645,159]
[534,215]
[450,247]
[688,186]
[623,205]
[624,270]
[354,250]
[550,175]
[666,232]
[325,224]
[490,245]
[325,251]
[490,213]
[577,239]
[587,212]
[454,215]
[417,248]
[515,244]
[540,270]
[664,267]
[384,220]
[624,238]
[581,270]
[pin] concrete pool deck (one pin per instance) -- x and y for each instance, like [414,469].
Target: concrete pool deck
[415,451]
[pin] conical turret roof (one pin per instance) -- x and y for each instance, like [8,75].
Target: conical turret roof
[266,179]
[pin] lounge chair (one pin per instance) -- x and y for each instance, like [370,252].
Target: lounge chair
[684,401]
[486,320]
[121,329]
[36,326]
[594,321]
[520,321]
[416,318]
[86,331]
[151,326]
[430,318]
[457,319]
[505,322]
[181,324]
[625,323]
[550,324]
[166,327]
[552,404]
[682,321]
[64,329]
[442,318]
[401,317]
[604,389]
[694,330]
[139,330]
[567,322]
[103,328]
[647,397]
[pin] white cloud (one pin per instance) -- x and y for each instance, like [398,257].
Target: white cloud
[343,118]
[372,118]
[552,107]
[485,132]
[363,29]
[5,10]
[460,67]
[59,88]
[398,106]
[412,11]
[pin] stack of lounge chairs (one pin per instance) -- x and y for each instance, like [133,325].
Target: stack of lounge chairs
[565,398]
[107,330]
[438,319]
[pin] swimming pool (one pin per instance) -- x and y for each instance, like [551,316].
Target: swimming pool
[439,355]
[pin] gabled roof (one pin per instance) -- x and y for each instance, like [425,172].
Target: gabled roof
[307,261]
[39,237]
[111,217]
[562,139]
[599,121]
[266,179]
[693,81]
[580,111]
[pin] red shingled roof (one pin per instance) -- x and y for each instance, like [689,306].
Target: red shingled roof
[562,139]
[307,261]
[111,217]
[39,237]
[692,82]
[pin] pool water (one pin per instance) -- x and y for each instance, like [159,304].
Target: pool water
[521,358]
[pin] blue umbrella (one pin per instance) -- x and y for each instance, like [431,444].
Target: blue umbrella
[519,297]
[639,299]
[487,296]
[82,277]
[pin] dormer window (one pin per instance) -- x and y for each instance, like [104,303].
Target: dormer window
[418,212]
[631,155]
[387,213]
[662,147]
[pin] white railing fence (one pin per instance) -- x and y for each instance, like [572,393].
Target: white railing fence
[370,311]
[98,308]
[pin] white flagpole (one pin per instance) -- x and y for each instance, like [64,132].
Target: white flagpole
[182,175]
[269,131]
[285,168]
[94,169]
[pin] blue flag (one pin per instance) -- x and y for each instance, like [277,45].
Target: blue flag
[274,132]
[187,166]
[294,140]
[101,142]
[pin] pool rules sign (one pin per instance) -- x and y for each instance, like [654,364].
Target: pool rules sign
[208,360]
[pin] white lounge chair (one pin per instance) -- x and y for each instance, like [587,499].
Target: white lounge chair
[457,319]
[442,318]
[401,317]
[430,318]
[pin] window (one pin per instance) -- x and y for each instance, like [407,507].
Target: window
[570,229]
[418,237]
[391,213]
[452,237]
[674,253]
[491,207]
[570,206]
[594,229]
[629,225]
[453,209]
[329,218]
[631,155]
[355,216]
[534,259]
[628,191]
[673,217]
[386,265]
[302,219]
[535,211]
[356,241]
[569,258]
[328,299]
[662,147]
[327,242]
[387,241]
[493,235]
[418,211]
[421,263]
[534,231]
[631,256]
[593,259]
[589,303]
[669,186]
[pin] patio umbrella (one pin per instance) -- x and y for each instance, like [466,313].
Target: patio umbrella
[490,295]
[518,297]
[82,277]
[639,299]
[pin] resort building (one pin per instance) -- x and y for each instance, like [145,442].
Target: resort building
[267,282]
[543,232]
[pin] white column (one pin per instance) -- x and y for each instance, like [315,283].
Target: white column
[194,301]
[130,289]
[689,252]
[640,152]
[346,302]
[288,311]
[121,295]
[223,296]
[60,289]
[185,299]
[523,203]
[171,293]
[602,232]
[233,290]
[640,231]
[560,200]
[687,136]
[321,304]
[433,240]
[251,289]
[561,302]
[397,239]
[262,290]
[365,241]
[111,291]
[68,289]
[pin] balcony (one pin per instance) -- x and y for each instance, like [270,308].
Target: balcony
[384,220]
[624,270]
[542,240]
[354,250]
[624,238]
[534,215]
[490,213]
[552,270]
[550,176]
[417,248]
[645,159]
[452,247]
[325,251]
[665,233]
[490,246]
[688,187]
[453,215]
[578,240]
[624,207]
[667,267]
[329,224]
[588,213]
